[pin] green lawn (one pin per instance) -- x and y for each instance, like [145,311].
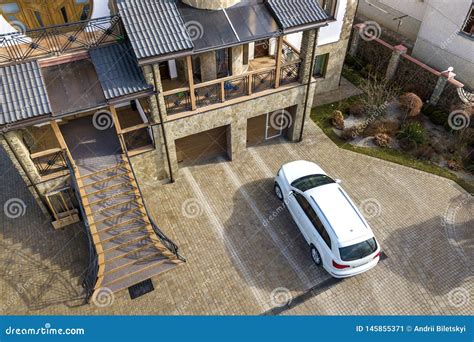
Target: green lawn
[321,116]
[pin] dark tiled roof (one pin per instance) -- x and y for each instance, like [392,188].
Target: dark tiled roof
[293,13]
[22,93]
[155,27]
[118,71]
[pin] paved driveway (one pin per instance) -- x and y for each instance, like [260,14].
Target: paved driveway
[246,256]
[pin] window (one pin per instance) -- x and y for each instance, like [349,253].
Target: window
[329,6]
[468,27]
[11,8]
[64,14]
[311,182]
[320,66]
[358,251]
[313,217]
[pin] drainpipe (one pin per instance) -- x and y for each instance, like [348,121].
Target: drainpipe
[308,86]
[165,139]
[32,183]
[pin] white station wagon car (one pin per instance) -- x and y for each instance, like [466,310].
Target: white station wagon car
[340,239]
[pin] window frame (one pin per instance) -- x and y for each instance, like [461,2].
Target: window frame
[324,67]
[314,219]
[332,12]
[468,21]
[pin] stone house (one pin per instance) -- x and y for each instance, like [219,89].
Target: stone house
[93,106]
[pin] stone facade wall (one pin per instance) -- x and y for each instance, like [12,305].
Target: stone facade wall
[337,53]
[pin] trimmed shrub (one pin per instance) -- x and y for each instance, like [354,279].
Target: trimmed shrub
[357,109]
[413,131]
[438,117]
[382,140]
[407,144]
[454,165]
[411,104]
[337,119]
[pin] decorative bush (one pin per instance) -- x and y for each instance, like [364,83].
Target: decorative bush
[382,140]
[413,131]
[387,127]
[337,119]
[350,134]
[357,109]
[454,165]
[411,104]
[407,144]
[438,117]
[425,152]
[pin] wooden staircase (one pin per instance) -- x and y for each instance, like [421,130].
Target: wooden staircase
[129,248]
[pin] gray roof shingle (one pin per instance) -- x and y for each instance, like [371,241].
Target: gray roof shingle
[118,71]
[154,27]
[293,13]
[22,93]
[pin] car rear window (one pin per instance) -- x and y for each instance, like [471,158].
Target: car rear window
[311,182]
[358,251]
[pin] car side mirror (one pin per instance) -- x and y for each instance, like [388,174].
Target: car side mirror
[338,181]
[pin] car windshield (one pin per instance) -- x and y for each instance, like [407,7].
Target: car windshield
[358,251]
[311,182]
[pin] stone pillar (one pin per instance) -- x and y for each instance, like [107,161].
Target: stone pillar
[155,104]
[237,137]
[237,60]
[23,155]
[208,66]
[295,129]
[182,69]
[356,33]
[443,79]
[398,51]
[306,53]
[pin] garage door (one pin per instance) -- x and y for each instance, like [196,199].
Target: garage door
[201,147]
[268,126]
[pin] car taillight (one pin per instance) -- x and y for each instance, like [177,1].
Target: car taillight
[377,255]
[338,266]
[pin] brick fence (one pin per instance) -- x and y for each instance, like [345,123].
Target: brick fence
[433,86]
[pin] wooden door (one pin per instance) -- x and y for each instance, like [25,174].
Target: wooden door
[262,48]
[36,14]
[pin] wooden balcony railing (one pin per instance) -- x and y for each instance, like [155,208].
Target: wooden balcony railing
[49,162]
[230,88]
[59,39]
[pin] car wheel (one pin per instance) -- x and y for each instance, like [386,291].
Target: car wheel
[278,192]
[316,256]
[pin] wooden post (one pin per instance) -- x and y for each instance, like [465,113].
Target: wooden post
[250,78]
[189,62]
[118,128]
[278,56]
[61,141]
[222,91]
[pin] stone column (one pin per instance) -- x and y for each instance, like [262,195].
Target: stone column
[208,66]
[443,79]
[398,51]
[23,155]
[306,53]
[237,137]
[356,33]
[297,117]
[155,104]
[237,60]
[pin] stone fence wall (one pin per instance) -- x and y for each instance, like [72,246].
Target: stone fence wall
[411,75]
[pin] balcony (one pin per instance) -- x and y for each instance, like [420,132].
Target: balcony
[59,39]
[264,74]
